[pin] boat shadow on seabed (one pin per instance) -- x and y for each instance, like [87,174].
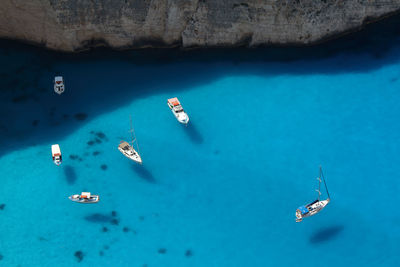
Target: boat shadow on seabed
[326,234]
[193,133]
[144,173]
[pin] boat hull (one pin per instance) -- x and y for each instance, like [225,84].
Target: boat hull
[131,154]
[76,198]
[313,209]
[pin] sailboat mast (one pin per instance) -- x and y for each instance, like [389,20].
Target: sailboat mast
[326,187]
[133,135]
[132,140]
[319,182]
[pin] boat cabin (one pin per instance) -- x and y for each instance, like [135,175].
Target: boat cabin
[85,195]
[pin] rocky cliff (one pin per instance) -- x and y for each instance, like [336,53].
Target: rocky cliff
[72,25]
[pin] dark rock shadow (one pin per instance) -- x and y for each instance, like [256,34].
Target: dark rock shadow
[70,174]
[144,173]
[326,234]
[193,133]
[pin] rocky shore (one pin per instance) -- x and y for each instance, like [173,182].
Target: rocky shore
[74,25]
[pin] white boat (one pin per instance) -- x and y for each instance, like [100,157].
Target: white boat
[56,154]
[177,110]
[85,198]
[128,150]
[315,206]
[59,85]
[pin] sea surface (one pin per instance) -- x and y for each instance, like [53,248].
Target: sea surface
[222,191]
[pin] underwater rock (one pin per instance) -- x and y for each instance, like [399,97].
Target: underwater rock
[188,253]
[162,250]
[98,218]
[90,143]
[73,157]
[2,206]
[80,116]
[114,213]
[1,257]
[41,238]
[101,135]
[103,167]
[35,123]
[125,229]
[65,116]
[101,253]
[98,141]
[95,153]
[104,229]
[141,218]
[114,222]
[106,247]
[79,255]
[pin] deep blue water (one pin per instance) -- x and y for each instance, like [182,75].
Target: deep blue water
[224,190]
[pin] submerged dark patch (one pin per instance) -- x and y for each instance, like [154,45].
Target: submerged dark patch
[101,253]
[1,257]
[98,141]
[114,213]
[98,218]
[80,116]
[141,218]
[162,250]
[114,221]
[103,167]
[90,143]
[95,153]
[125,229]
[101,135]
[73,157]
[188,253]
[35,123]
[41,238]
[79,255]
[104,229]
[2,206]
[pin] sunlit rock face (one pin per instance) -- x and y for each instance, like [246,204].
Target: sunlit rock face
[71,25]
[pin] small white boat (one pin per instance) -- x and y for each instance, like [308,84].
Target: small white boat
[177,110]
[315,206]
[128,150]
[59,85]
[56,154]
[85,198]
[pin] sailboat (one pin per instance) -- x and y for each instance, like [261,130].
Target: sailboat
[128,150]
[315,206]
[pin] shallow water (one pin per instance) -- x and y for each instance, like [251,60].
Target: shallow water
[221,192]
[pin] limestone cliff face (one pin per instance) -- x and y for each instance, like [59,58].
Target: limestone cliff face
[71,25]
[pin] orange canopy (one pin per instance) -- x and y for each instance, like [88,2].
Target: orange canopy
[174,101]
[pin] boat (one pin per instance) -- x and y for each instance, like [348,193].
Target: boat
[56,154]
[85,198]
[128,150]
[317,205]
[59,85]
[177,110]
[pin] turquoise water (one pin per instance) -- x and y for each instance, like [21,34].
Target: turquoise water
[221,192]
